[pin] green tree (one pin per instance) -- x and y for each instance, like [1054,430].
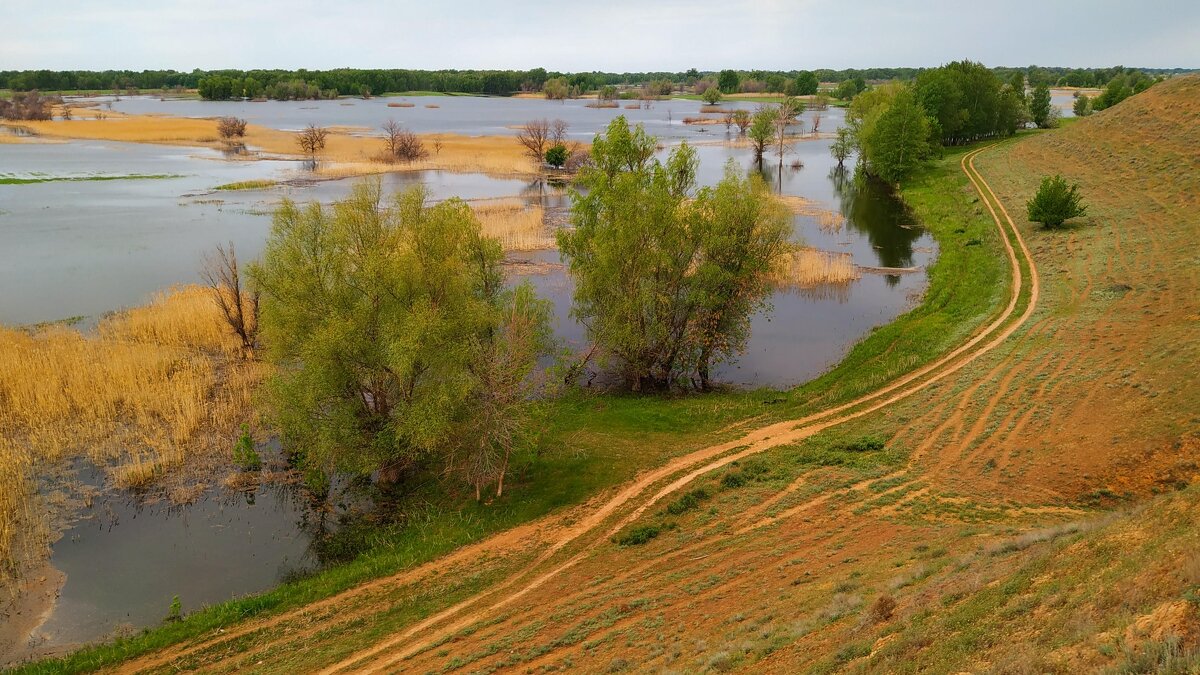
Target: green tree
[556,88]
[728,81]
[1082,106]
[891,131]
[380,322]
[806,83]
[845,90]
[557,155]
[667,278]
[712,95]
[842,146]
[1055,203]
[1039,106]
[762,130]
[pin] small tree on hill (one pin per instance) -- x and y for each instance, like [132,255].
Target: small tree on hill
[712,95]
[1056,202]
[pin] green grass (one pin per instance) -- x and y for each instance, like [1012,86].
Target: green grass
[260,184]
[595,442]
[8,179]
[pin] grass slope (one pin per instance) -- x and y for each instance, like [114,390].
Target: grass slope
[598,442]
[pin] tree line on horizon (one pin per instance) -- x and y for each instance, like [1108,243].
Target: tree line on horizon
[252,83]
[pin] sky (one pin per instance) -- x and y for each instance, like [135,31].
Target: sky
[607,35]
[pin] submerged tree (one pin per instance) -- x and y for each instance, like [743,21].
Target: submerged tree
[386,324]
[890,130]
[666,276]
[1055,203]
[712,95]
[312,141]
[762,130]
[239,306]
[842,146]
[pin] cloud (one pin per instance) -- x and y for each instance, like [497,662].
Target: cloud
[615,35]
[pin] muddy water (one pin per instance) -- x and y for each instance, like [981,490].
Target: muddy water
[124,560]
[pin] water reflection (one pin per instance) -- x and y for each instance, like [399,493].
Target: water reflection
[870,208]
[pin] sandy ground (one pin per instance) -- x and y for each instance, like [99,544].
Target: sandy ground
[21,617]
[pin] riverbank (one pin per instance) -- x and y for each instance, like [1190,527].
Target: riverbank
[598,442]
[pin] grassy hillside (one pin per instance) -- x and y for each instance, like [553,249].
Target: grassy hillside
[1033,511]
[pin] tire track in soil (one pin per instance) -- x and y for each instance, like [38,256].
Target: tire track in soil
[402,646]
[758,441]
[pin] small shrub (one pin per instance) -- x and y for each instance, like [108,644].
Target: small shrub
[638,535]
[852,651]
[175,612]
[882,609]
[864,444]
[231,127]
[1056,202]
[733,479]
[244,454]
[557,156]
[688,501]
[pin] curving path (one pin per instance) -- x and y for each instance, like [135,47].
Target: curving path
[607,518]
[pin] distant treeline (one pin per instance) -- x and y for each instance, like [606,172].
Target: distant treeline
[353,82]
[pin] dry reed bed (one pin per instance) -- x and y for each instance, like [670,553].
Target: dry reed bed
[827,219]
[497,155]
[517,226]
[810,268]
[153,387]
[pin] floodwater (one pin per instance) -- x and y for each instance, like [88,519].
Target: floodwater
[88,247]
[124,561]
[468,115]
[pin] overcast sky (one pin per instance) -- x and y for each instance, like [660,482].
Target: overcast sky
[610,35]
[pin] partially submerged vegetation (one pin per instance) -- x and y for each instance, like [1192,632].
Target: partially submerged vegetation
[153,390]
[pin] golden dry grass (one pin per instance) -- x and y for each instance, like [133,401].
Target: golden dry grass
[516,225]
[827,219]
[487,154]
[808,268]
[152,388]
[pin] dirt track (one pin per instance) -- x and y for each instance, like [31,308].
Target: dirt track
[562,546]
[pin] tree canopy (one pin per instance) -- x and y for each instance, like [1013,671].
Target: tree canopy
[393,336]
[667,276]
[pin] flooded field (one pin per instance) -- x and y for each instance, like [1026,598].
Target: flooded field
[83,247]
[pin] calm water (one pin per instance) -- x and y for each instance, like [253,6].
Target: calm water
[470,115]
[125,561]
[84,248]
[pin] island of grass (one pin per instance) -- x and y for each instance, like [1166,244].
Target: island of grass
[259,184]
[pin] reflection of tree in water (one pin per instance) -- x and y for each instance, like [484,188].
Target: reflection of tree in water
[871,208]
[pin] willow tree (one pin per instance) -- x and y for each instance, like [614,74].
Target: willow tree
[891,131]
[390,328]
[666,277]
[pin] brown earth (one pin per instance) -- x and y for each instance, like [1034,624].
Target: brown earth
[1017,532]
